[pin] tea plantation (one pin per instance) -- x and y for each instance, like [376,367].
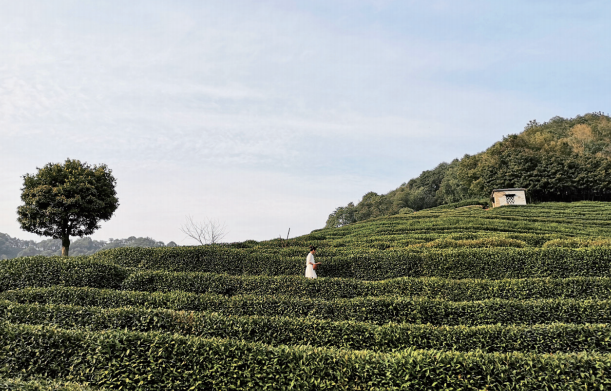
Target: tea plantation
[450,298]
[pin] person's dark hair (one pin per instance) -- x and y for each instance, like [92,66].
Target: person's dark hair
[312,248]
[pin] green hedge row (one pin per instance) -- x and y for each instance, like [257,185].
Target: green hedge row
[473,243]
[160,361]
[482,202]
[85,272]
[47,271]
[331,288]
[378,310]
[105,270]
[323,333]
[490,263]
[40,385]
[578,242]
[493,263]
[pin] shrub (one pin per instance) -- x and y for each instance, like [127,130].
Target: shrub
[578,243]
[47,271]
[479,202]
[486,263]
[476,243]
[41,385]
[274,330]
[157,361]
[378,310]
[332,288]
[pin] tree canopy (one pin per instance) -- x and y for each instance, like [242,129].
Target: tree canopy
[70,199]
[559,160]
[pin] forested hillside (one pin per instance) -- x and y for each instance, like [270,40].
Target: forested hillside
[559,160]
[12,247]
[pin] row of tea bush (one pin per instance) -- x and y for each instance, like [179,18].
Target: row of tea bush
[331,288]
[129,360]
[275,330]
[377,310]
[111,268]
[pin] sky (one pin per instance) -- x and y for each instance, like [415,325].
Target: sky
[267,115]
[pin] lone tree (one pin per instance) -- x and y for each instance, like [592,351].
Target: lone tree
[206,232]
[67,200]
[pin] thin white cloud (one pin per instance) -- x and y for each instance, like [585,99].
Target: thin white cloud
[252,98]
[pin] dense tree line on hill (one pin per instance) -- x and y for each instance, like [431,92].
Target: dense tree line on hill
[12,247]
[559,160]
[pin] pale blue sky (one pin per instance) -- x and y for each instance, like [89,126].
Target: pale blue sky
[269,114]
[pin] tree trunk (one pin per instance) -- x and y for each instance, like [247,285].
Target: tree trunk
[65,245]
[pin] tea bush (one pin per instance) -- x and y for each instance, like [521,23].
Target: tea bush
[41,385]
[485,263]
[514,298]
[376,310]
[331,288]
[47,271]
[274,330]
[158,361]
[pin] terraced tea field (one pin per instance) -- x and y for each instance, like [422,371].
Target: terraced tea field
[515,298]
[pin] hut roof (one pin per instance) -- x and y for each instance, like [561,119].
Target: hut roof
[512,189]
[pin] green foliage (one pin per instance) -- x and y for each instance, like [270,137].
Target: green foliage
[13,247]
[476,243]
[578,243]
[533,224]
[405,211]
[41,385]
[542,338]
[461,204]
[66,200]
[376,310]
[488,263]
[559,160]
[83,272]
[341,216]
[333,288]
[47,271]
[507,298]
[157,361]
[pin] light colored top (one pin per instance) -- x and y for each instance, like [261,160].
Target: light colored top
[310,259]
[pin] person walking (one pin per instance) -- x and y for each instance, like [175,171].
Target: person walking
[310,263]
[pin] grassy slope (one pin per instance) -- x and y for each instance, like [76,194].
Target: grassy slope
[534,225]
[520,325]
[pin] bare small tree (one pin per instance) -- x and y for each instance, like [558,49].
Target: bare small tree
[204,232]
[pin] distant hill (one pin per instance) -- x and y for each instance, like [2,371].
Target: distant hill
[559,160]
[12,247]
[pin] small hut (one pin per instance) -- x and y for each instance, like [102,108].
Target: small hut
[500,197]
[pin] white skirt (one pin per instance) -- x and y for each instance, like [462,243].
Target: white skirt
[310,272]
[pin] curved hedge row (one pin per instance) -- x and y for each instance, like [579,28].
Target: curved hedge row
[578,242]
[323,333]
[473,243]
[47,271]
[105,269]
[489,263]
[158,361]
[377,310]
[85,272]
[41,385]
[331,288]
